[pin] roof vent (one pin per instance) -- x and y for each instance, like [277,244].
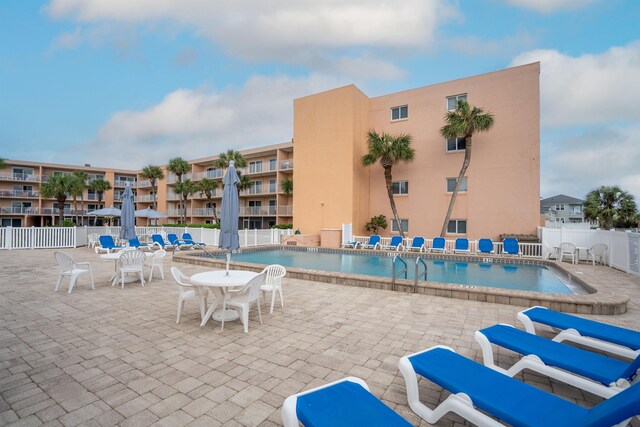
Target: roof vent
[87,165]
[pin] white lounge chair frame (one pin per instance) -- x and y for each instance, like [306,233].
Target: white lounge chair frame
[575,336]
[536,364]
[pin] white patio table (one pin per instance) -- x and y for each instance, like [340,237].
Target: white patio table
[115,256]
[218,281]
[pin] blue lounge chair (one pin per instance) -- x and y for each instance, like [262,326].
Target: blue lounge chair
[417,244]
[159,241]
[475,388]
[613,339]
[135,243]
[373,243]
[462,245]
[346,402]
[352,245]
[107,244]
[588,371]
[177,243]
[510,247]
[485,246]
[186,237]
[437,245]
[395,244]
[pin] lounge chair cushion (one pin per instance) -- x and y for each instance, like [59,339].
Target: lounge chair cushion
[589,328]
[345,404]
[591,365]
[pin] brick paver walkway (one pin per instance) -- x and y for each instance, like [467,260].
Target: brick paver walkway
[114,357]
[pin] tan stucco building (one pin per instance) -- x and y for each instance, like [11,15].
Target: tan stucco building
[503,181]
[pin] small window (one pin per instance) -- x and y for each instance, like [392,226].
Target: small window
[457,226]
[451,184]
[403,222]
[400,187]
[400,113]
[452,101]
[559,207]
[456,144]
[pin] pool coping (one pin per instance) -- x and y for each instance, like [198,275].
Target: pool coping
[600,301]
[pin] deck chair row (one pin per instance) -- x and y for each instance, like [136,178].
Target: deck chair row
[483,393]
[418,244]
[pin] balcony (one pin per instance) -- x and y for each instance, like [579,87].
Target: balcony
[205,212]
[286,165]
[176,212]
[145,198]
[172,178]
[255,189]
[20,210]
[9,176]
[212,174]
[257,211]
[91,197]
[19,194]
[143,184]
[286,210]
[173,196]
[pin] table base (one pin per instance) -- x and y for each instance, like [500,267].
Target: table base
[228,315]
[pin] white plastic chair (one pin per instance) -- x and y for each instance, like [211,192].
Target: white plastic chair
[92,240]
[186,291]
[156,263]
[131,261]
[69,267]
[599,251]
[243,298]
[273,283]
[568,249]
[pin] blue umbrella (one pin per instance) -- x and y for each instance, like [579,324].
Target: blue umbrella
[127,217]
[229,238]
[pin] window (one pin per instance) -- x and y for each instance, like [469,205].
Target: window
[451,184]
[400,113]
[255,167]
[456,144]
[452,101]
[559,207]
[403,222]
[457,226]
[273,164]
[400,187]
[273,186]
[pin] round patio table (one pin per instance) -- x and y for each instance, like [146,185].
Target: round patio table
[218,281]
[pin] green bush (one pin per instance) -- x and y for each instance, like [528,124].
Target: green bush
[283,226]
[194,225]
[68,223]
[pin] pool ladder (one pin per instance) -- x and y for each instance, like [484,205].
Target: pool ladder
[403,271]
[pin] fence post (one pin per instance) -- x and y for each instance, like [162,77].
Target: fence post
[9,239]
[246,237]
[32,234]
[255,237]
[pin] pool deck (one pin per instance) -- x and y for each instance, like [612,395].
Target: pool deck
[116,357]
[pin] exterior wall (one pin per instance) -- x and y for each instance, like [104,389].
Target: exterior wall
[329,132]
[503,177]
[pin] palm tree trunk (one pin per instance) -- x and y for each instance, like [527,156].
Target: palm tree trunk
[82,208]
[388,181]
[61,201]
[75,208]
[463,170]
[155,200]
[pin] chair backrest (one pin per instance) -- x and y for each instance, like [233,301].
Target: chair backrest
[274,273]
[131,259]
[599,249]
[438,243]
[107,242]
[615,409]
[173,238]
[417,242]
[65,261]
[462,244]
[510,246]
[395,241]
[567,247]
[485,246]
[253,287]
[182,280]
[187,237]
[158,256]
[374,239]
[134,243]
[156,238]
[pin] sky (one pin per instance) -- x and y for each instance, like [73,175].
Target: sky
[126,83]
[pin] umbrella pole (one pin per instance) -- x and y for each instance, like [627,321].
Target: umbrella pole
[228,261]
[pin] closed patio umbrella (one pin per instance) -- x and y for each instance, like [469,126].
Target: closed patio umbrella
[127,217]
[229,238]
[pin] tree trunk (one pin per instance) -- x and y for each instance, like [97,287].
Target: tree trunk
[61,202]
[387,178]
[75,208]
[463,170]
[82,208]
[155,200]
[184,207]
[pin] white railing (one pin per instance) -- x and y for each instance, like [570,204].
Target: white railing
[172,178]
[255,189]
[9,176]
[258,210]
[205,212]
[16,210]
[285,210]
[145,198]
[19,194]
[143,184]
[286,164]
[212,174]
[38,238]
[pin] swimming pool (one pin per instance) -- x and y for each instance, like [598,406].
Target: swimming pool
[537,278]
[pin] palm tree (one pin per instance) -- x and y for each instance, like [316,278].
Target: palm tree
[206,187]
[185,188]
[58,187]
[179,166]
[286,185]
[226,157]
[100,186]
[77,187]
[83,177]
[153,173]
[389,150]
[245,182]
[464,121]
[3,163]
[609,205]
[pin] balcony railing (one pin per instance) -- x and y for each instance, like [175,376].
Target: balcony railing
[286,210]
[91,197]
[4,210]
[9,176]
[173,196]
[286,165]
[145,198]
[143,184]
[205,212]
[257,211]
[19,194]
[255,189]
[272,189]
[120,183]
[172,178]
[212,174]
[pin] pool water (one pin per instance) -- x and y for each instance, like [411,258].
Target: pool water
[495,275]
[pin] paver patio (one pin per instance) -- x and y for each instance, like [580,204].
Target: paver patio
[117,357]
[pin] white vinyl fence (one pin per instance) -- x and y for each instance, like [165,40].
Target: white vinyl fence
[71,237]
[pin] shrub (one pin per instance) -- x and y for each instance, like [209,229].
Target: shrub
[68,223]
[283,226]
[376,223]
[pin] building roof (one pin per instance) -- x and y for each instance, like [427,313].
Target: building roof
[561,199]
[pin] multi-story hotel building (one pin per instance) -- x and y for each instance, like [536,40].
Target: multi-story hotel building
[500,193]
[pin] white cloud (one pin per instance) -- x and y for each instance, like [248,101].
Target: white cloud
[548,6]
[578,163]
[201,122]
[297,32]
[588,89]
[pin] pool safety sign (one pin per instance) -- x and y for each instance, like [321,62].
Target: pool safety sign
[634,253]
